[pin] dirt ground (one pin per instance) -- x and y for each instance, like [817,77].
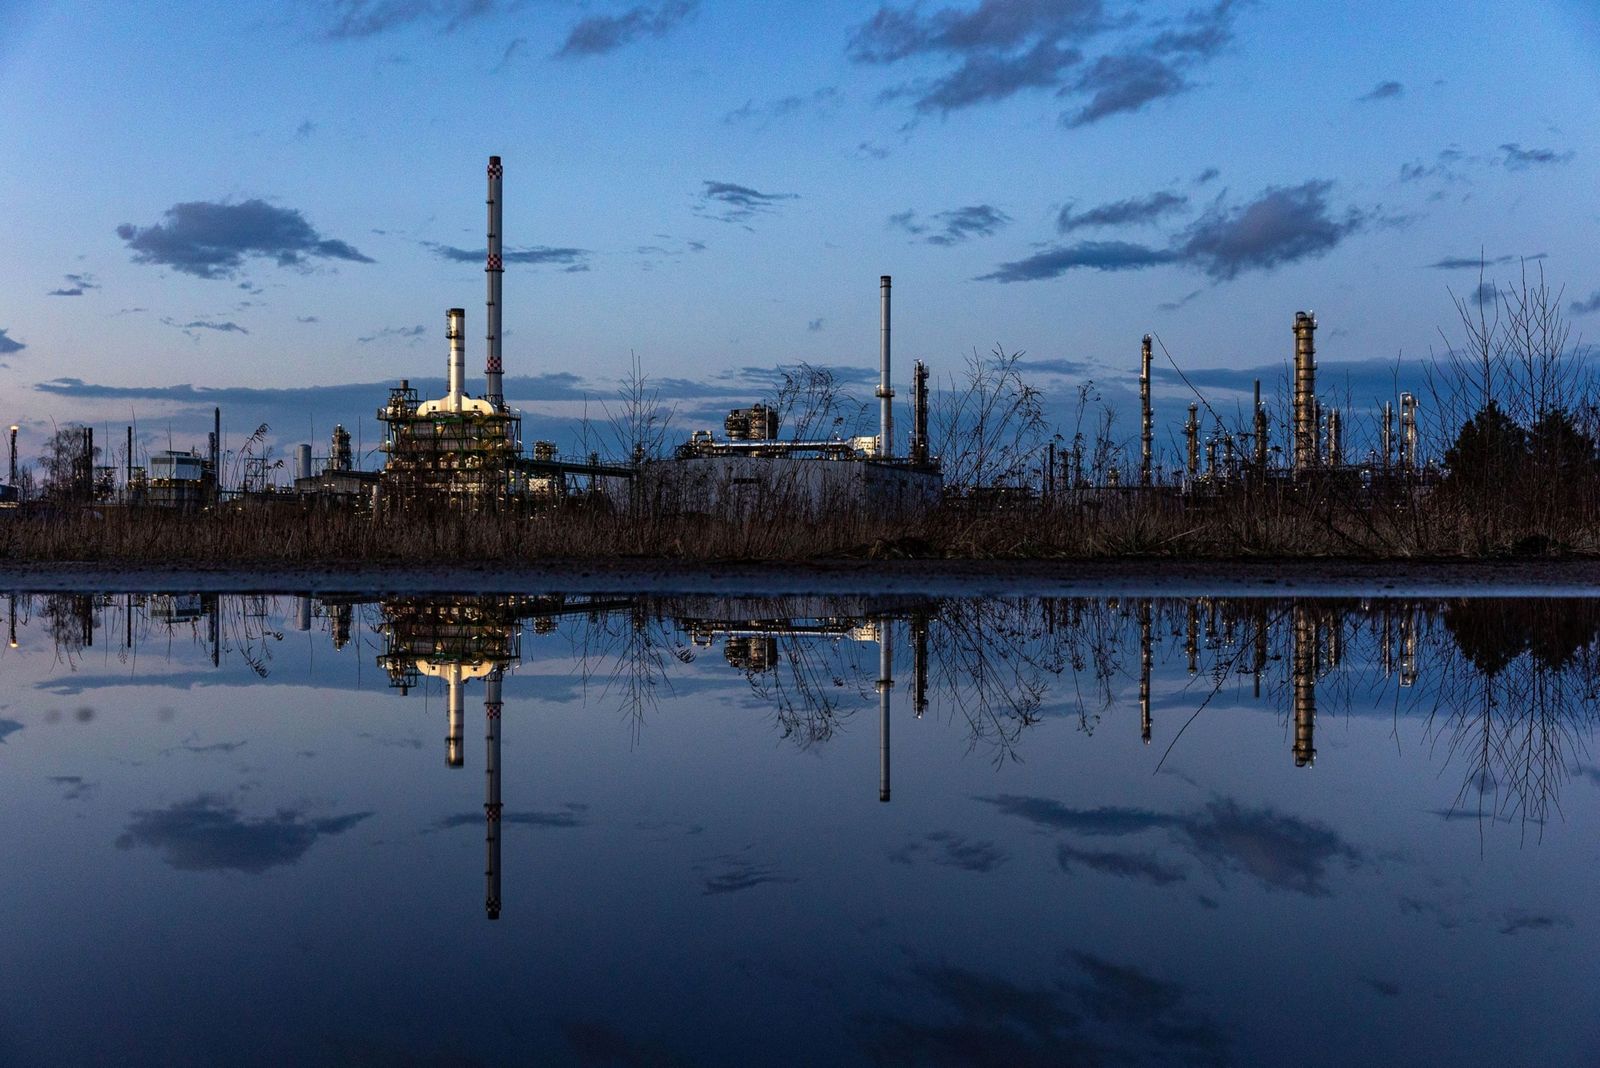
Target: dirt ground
[1301,578]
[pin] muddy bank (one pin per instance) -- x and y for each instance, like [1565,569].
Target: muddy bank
[934,577]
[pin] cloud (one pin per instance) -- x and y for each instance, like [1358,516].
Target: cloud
[1517,158]
[1518,920]
[1383,91]
[1210,174]
[305,129]
[8,727]
[814,326]
[763,115]
[1585,307]
[1282,225]
[77,285]
[573,259]
[9,344]
[954,226]
[212,240]
[209,834]
[1455,263]
[1066,368]
[1124,83]
[219,326]
[406,333]
[729,202]
[1094,255]
[599,34]
[368,18]
[1135,211]
[982,78]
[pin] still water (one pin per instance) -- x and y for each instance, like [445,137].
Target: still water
[667,830]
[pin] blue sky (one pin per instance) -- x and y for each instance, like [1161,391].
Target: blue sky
[265,200]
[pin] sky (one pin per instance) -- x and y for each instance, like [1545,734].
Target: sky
[270,207]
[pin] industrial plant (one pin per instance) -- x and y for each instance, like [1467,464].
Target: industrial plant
[465,452]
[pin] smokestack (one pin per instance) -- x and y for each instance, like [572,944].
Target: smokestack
[1305,392]
[456,331]
[302,461]
[127,464]
[493,269]
[491,795]
[885,390]
[1146,416]
[1335,439]
[14,454]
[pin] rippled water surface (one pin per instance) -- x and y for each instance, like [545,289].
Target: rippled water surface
[664,830]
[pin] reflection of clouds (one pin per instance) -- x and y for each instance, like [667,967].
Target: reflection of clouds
[1102,1013]
[1518,920]
[732,872]
[951,850]
[1281,851]
[74,787]
[8,727]
[209,834]
[1143,867]
[188,746]
[569,816]
[596,1043]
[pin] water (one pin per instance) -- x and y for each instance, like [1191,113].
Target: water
[249,830]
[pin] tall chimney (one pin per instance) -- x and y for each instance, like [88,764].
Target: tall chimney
[885,390]
[1386,435]
[456,331]
[1146,415]
[493,268]
[13,454]
[1305,392]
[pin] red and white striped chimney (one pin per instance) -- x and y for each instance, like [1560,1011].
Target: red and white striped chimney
[494,390]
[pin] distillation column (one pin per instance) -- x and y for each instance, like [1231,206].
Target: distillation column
[491,794]
[1305,393]
[1146,415]
[1261,433]
[1191,437]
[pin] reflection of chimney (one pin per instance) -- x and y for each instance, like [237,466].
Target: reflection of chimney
[885,391]
[493,388]
[1144,671]
[885,684]
[1304,661]
[1191,641]
[491,795]
[302,613]
[453,755]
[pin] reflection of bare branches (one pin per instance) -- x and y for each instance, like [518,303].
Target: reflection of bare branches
[805,687]
[629,650]
[987,665]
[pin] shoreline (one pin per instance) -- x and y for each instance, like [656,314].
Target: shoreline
[942,577]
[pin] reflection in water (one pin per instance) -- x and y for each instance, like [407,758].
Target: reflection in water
[1507,689]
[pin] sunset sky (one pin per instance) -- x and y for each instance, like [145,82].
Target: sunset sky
[270,207]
